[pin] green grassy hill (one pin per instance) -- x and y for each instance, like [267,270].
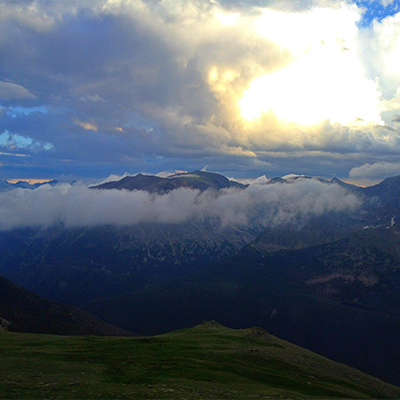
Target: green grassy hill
[207,361]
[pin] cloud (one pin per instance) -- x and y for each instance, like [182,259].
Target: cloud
[13,154]
[10,90]
[315,83]
[87,126]
[259,204]
[15,141]
[380,47]
[325,80]
[112,178]
[385,3]
[376,170]
[96,98]
[28,13]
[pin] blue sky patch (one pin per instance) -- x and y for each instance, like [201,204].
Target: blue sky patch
[18,110]
[15,141]
[375,10]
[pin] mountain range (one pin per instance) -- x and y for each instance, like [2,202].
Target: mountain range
[328,280]
[7,186]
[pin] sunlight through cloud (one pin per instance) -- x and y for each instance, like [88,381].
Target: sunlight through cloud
[324,81]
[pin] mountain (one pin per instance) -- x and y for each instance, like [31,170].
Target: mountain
[383,200]
[301,233]
[379,206]
[79,265]
[347,186]
[340,299]
[137,182]
[203,362]
[23,311]
[7,186]
[325,280]
[200,180]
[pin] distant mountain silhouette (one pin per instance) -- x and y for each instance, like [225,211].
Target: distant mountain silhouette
[200,180]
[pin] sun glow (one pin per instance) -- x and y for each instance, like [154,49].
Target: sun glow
[30,181]
[227,19]
[324,81]
[314,88]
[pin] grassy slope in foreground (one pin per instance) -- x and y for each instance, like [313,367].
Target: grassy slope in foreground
[202,362]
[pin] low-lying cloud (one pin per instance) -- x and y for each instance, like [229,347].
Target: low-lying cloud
[77,205]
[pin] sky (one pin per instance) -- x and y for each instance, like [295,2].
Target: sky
[90,88]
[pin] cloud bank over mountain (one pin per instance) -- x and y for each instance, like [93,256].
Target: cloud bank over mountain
[77,205]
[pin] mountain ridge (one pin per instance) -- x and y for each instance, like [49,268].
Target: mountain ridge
[199,180]
[23,311]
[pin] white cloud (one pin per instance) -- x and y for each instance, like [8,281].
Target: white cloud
[380,47]
[260,204]
[376,170]
[95,98]
[386,3]
[10,90]
[325,81]
[30,14]
[112,178]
